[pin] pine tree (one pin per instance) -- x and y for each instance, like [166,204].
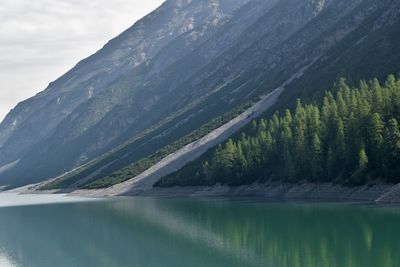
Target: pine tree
[375,141]
[316,168]
[240,166]
[377,98]
[395,100]
[359,176]
[390,82]
[229,154]
[363,160]
[207,171]
[342,106]
[353,143]
[351,137]
[287,165]
[299,138]
[393,151]
[339,149]
[262,126]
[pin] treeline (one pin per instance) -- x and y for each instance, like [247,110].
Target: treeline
[353,137]
[124,172]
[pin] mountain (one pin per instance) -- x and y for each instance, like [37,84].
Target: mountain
[104,86]
[351,138]
[184,70]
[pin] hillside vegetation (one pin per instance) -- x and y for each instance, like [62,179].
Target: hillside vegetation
[184,70]
[352,137]
[123,173]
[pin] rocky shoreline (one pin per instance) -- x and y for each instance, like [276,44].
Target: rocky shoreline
[378,193]
[373,193]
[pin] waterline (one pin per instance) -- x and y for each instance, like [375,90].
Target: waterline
[15,199]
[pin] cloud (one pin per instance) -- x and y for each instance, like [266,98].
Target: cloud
[42,39]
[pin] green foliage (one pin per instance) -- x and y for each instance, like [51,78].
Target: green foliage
[135,168]
[392,166]
[352,138]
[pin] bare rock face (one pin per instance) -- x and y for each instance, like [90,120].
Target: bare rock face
[185,64]
[37,118]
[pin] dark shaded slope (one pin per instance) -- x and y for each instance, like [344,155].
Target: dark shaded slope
[369,50]
[346,45]
[178,29]
[208,70]
[241,80]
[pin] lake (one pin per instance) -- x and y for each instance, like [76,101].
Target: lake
[159,232]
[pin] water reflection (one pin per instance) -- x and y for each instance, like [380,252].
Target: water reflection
[186,232]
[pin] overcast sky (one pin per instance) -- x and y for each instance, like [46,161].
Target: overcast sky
[42,39]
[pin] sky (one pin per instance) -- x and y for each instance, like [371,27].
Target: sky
[42,39]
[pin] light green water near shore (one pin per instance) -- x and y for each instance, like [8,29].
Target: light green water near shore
[158,232]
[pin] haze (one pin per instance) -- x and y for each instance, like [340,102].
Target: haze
[41,40]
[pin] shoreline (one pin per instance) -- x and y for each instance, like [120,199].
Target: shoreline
[377,193]
[275,191]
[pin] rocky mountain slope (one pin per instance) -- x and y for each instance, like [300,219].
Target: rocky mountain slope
[183,71]
[103,84]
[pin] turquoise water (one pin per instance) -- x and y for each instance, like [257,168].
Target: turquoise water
[151,232]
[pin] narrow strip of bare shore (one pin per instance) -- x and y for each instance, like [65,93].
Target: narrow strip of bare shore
[378,193]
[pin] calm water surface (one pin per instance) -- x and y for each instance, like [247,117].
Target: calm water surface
[151,232]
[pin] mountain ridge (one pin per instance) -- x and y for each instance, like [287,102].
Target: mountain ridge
[257,46]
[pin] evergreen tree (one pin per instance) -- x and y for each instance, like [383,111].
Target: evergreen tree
[316,167]
[393,150]
[353,137]
[375,141]
[359,176]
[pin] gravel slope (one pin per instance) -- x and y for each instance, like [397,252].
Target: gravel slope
[144,181]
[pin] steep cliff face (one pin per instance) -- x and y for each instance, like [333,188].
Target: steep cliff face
[81,98]
[166,35]
[364,46]
[175,28]
[183,65]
